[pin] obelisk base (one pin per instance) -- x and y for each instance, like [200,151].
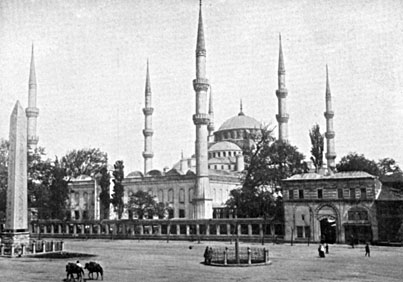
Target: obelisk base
[15,241]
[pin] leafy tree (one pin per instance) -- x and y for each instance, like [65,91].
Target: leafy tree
[84,162]
[104,196]
[144,205]
[118,190]
[4,146]
[356,162]
[317,142]
[267,162]
[388,165]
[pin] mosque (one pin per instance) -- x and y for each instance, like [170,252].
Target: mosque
[331,206]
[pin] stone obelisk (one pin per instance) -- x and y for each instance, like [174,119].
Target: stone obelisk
[16,232]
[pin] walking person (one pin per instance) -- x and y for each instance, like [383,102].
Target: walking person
[367,250]
[327,248]
[206,252]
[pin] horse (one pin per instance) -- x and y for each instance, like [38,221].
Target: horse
[94,267]
[71,269]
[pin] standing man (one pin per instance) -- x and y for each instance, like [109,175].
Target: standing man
[367,250]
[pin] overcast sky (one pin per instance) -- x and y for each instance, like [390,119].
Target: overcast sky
[90,59]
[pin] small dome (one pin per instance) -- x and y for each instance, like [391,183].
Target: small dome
[224,146]
[240,121]
[135,174]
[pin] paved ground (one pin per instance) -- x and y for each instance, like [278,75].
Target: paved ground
[174,261]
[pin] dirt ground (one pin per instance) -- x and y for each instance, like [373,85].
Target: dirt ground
[132,260]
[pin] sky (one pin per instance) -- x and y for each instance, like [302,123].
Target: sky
[90,59]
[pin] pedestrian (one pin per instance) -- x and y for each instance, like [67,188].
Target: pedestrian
[327,248]
[321,251]
[210,255]
[367,250]
[352,241]
[206,255]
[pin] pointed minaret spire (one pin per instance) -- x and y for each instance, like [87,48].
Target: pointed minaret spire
[282,116]
[32,112]
[281,69]
[201,46]
[148,131]
[330,134]
[210,126]
[202,201]
[241,109]
[32,75]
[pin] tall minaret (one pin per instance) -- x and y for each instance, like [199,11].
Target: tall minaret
[210,126]
[148,131]
[202,200]
[32,112]
[329,114]
[282,117]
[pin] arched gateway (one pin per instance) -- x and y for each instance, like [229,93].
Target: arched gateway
[328,218]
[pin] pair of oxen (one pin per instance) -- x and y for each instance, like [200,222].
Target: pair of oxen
[92,267]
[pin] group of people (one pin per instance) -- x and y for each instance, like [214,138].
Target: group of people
[208,255]
[325,248]
[322,249]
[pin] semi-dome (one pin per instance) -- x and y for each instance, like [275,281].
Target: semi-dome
[224,146]
[241,121]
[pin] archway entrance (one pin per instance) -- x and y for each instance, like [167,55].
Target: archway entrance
[327,216]
[328,230]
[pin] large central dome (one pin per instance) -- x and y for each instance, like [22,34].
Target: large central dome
[241,121]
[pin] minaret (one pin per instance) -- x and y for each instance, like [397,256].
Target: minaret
[282,117]
[202,200]
[329,114]
[148,132]
[210,126]
[32,112]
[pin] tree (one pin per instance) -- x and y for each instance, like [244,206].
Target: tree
[118,190]
[317,142]
[356,162]
[268,161]
[84,161]
[144,205]
[4,146]
[388,165]
[104,196]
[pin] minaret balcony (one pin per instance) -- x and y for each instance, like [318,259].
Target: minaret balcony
[148,155]
[148,132]
[32,112]
[330,134]
[282,118]
[201,52]
[281,93]
[201,119]
[148,111]
[200,84]
[33,140]
[329,114]
[330,155]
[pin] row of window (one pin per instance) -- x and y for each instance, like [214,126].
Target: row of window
[340,194]
[222,167]
[223,154]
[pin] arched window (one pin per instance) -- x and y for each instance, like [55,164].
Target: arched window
[190,195]
[161,196]
[171,195]
[181,195]
[357,213]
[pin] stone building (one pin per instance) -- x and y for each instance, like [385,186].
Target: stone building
[336,207]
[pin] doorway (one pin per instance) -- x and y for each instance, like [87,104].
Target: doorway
[328,230]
